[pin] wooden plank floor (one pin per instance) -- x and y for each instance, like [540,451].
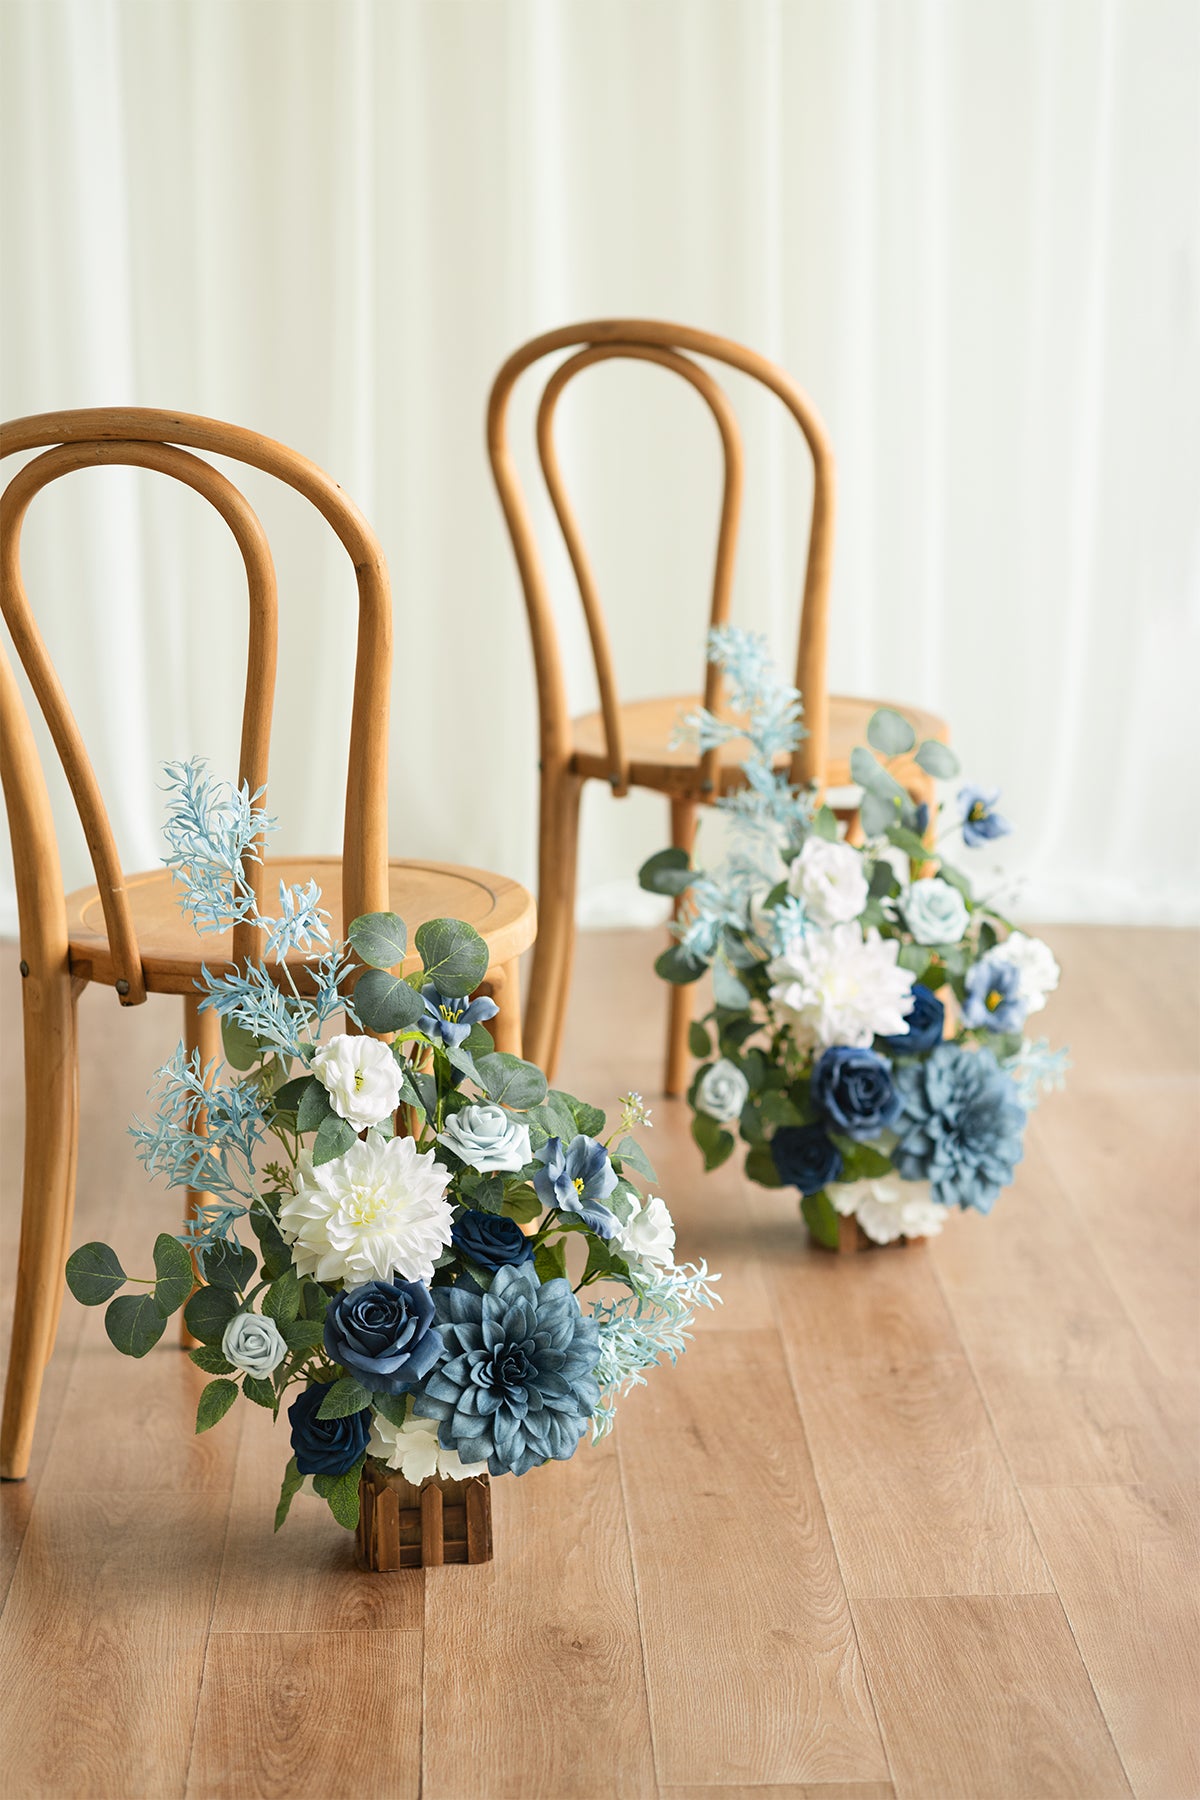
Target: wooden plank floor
[918,1525]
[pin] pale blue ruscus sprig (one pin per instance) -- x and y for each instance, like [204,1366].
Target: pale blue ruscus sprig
[219,1160]
[640,1329]
[1037,1069]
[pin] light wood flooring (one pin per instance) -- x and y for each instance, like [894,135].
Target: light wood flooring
[918,1523]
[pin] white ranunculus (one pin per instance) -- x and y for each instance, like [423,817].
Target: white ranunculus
[1034,962]
[413,1448]
[935,912]
[888,1208]
[253,1343]
[361,1077]
[722,1091]
[829,879]
[378,1211]
[841,986]
[487,1139]
[649,1237]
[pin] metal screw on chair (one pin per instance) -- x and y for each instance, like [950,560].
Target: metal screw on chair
[122,986]
[24,966]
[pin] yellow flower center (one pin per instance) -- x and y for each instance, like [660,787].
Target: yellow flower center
[359,1080]
[451,1014]
[577,1184]
[995,998]
[978,812]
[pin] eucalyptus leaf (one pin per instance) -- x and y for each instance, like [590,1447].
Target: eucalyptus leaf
[876,815]
[462,1062]
[825,824]
[679,966]
[634,1157]
[314,1106]
[134,1324]
[510,1081]
[728,991]
[667,872]
[94,1274]
[242,1049]
[890,733]
[872,777]
[176,1277]
[333,1139]
[454,956]
[215,1402]
[228,1264]
[937,760]
[209,1311]
[380,939]
[386,1002]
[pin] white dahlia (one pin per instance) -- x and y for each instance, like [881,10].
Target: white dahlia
[888,1208]
[841,986]
[413,1448]
[378,1211]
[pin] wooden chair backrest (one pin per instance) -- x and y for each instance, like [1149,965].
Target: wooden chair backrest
[149,439]
[654,341]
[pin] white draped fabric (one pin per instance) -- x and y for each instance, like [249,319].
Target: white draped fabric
[971,230]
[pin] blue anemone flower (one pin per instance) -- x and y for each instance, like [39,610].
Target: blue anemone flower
[576,1180]
[980,820]
[992,994]
[448,1020]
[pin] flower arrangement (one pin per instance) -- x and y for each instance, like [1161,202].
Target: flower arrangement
[867,1037]
[406,1297]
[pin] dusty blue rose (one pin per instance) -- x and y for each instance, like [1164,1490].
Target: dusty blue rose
[383,1334]
[853,1088]
[806,1157]
[326,1446]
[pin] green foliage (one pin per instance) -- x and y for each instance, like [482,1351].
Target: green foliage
[380,939]
[729,993]
[890,733]
[343,1398]
[550,1261]
[479,1041]
[209,1311]
[678,966]
[210,1359]
[334,1137]
[760,1166]
[286,1099]
[870,775]
[956,878]
[301,1334]
[632,1156]
[386,1002]
[173,1267]
[861,1162]
[509,1081]
[341,1492]
[292,1483]
[715,1143]
[821,1218]
[313,1105]
[392,1407]
[825,825]
[667,872]
[561,1115]
[483,1192]
[699,1042]
[276,1252]
[261,1392]
[521,1203]
[878,815]
[908,841]
[134,1323]
[604,1263]
[228,1264]
[937,760]
[454,956]
[94,1274]
[314,1301]
[241,1048]
[281,1301]
[215,1402]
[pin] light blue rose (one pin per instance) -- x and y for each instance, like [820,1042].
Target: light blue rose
[487,1139]
[935,912]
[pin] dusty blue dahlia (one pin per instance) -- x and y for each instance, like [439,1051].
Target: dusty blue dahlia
[517,1386]
[961,1126]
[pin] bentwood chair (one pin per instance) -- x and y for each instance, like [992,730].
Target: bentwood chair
[628,745]
[127,932]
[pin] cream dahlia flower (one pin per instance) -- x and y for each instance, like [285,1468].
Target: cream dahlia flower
[378,1211]
[841,987]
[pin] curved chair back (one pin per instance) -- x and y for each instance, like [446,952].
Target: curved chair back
[148,439]
[654,341]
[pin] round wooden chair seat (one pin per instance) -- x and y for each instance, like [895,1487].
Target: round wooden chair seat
[502,912]
[650,724]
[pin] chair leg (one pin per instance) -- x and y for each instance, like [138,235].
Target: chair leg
[201,1031]
[48,1202]
[558,850]
[504,986]
[679,1014]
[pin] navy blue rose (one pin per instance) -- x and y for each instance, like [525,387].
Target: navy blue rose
[853,1088]
[490,1241]
[326,1446]
[383,1334]
[926,1022]
[806,1157]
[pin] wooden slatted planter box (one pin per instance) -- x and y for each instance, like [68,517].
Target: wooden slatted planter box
[403,1526]
[852,1238]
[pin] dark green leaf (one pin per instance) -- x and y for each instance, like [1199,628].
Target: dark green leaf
[261,1392]
[293,1480]
[861,1162]
[94,1274]
[937,760]
[890,733]
[281,1301]
[343,1398]
[510,1081]
[484,1193]
[302,1334]
[760,1167]
[134,1323]
[825,824]
[334,1138]
[550,1261]
[479,1041]
[215,1402]
[883,883]
[209,1311]
[313,1107]
[276,1254]
[341,1491]
[522,1204]
[699,1042]
[714,1141]
[462,1062]
[392,1407]
[634,1157]
[455,957]
[603,1263]
[821,1218]
[209,1358]
[173,1267]
[228,1264]
[667,872]
[286,1099]
[386,1002]
[679,966]
[314,1301]
[380,939]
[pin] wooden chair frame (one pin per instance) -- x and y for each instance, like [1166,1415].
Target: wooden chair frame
[670,347]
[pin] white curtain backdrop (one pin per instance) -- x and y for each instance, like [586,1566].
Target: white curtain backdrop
[971,230]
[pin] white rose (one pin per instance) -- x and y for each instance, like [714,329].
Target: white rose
[650,1234]
[253,1342]
[1034,962]
[487,1139]
[413,1448]
[829,879]
[376,1212]
[935,912]
[722,1091]
[361,1077]
[888,1208]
